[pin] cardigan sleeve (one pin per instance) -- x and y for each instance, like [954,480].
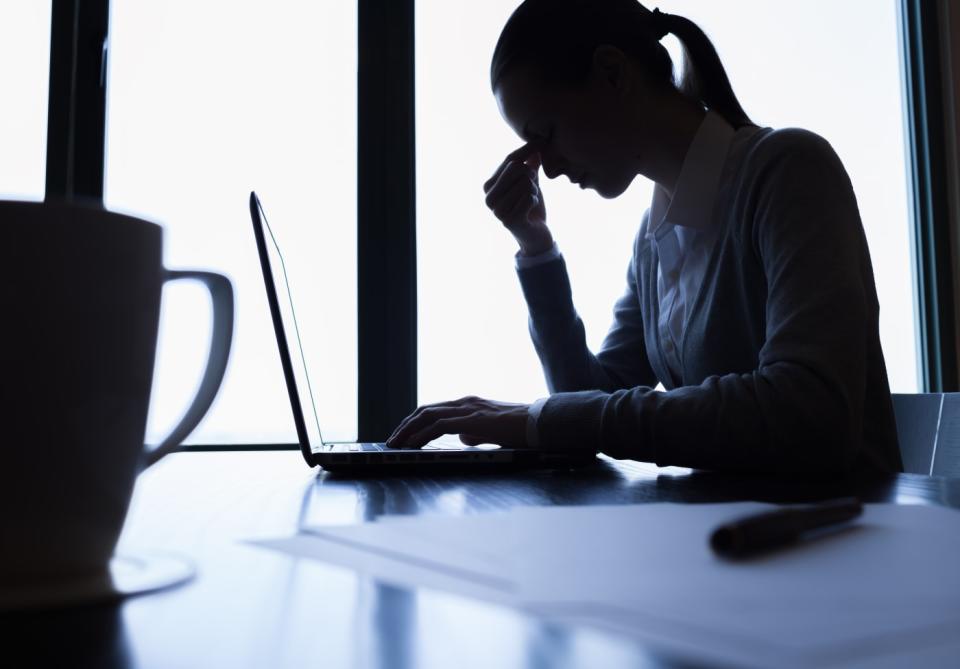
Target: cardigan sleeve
[559,338]
[801,409]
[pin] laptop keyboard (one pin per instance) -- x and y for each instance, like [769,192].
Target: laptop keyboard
[367,447]
[371,447]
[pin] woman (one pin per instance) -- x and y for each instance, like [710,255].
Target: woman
[750,295]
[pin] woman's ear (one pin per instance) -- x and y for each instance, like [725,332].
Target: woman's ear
[612,66]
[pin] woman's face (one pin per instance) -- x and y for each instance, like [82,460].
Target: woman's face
[587,132]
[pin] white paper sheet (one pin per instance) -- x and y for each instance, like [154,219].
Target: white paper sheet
[400,572]
[889,581]
[887,584]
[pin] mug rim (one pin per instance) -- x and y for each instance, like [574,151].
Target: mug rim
[89,206]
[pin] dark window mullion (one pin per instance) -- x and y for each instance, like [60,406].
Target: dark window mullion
[925,114]
[386,221]
[77,100]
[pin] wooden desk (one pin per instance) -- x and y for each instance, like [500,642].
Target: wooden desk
[250,607]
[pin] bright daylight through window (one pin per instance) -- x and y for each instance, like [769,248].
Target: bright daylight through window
[24,77]
[839,78]
[206,102]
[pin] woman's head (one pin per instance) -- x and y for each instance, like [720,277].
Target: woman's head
[590,82]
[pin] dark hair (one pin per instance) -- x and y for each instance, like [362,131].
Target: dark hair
[559,37]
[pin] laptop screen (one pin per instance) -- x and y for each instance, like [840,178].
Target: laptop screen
[285,325]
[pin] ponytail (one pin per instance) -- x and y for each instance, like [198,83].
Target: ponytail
[704,77]
[559,37]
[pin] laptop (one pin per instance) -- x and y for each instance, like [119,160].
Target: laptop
[364,457]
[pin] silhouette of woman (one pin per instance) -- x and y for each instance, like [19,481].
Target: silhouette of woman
[750,294]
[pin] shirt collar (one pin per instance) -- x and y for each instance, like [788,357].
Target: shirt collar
[699,180]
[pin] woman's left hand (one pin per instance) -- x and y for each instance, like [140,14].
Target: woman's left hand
[476,420]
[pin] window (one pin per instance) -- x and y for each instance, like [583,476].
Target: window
[24,77]
[789,67]
[206,102]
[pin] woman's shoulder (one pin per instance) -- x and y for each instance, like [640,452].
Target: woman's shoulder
[790,149]
[782,173]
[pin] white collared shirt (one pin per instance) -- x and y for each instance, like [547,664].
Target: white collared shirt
[682,233]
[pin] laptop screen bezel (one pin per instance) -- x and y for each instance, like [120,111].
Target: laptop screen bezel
[279,330]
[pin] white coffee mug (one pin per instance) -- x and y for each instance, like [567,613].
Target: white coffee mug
[80,304]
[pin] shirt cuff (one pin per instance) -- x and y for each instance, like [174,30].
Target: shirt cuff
[533,415]
[524,262]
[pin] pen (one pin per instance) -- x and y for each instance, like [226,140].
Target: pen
[775,529]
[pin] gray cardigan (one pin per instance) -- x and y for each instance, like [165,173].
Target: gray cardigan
[782,369]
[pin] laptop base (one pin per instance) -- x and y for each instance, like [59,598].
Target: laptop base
[469,459]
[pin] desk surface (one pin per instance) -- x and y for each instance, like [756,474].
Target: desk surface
[250,607]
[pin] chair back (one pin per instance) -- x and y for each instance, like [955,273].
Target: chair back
[928,428]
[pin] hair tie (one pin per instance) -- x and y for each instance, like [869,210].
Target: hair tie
[658,24]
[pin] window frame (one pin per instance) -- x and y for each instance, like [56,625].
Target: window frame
[76,113]
[928,178]
[386,193]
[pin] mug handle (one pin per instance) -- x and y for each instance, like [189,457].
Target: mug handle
[221,291]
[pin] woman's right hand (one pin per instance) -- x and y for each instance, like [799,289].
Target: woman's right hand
[514,197]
